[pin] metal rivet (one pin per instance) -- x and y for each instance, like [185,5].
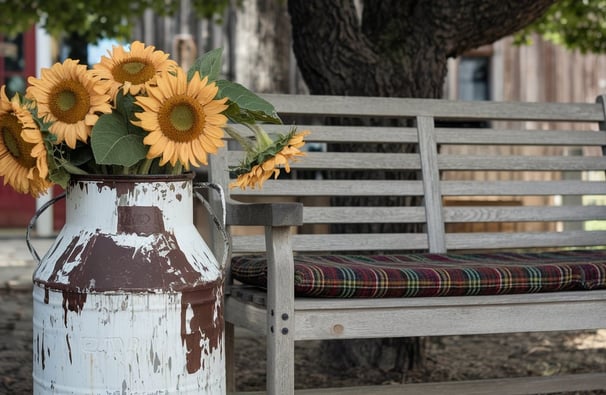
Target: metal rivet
[284,331]
[284,316]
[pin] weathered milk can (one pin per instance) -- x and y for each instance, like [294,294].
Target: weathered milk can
[128,300]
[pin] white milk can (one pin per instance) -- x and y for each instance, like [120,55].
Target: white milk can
[128,300]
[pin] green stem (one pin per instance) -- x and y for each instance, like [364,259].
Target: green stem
[178,169]
[263,139]
[71,169]
[145,166]
[233,133]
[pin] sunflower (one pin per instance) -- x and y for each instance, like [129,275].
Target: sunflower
[23,162]
[183,121]
[131,71]
[71,98]
[252,175]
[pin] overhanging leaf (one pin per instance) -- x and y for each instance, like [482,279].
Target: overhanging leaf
[208,65]
[249,104]
[113,145]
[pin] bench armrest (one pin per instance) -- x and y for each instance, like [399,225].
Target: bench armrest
[264,214]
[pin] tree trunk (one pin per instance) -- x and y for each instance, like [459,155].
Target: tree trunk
[392,48]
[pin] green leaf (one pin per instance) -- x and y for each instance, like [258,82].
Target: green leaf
[248,105]
[208,65]
[127,108]
[112,144]
[59,176]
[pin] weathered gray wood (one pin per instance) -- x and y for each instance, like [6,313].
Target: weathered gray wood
[275,214]
[519,188]
[280,311]
[321,317]
[449,320]
[524,213]
[330,215]
[517,163]
[340,242]
[374,134]
[336,188]
[519,137]
[445,162]
[490,200]
[431,184]
[415,188]
[440,109]
[467,241]
[506,386]
[338,160]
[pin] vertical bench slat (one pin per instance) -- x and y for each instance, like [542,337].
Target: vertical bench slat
[431,184]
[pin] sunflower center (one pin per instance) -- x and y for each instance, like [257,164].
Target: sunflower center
[20,150]
[69,101]
[181,118]
[135,71]
[66,100]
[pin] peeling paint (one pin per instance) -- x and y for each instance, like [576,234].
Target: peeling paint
[202,325]
[41,352]
[72,301]
[69,348]
[139,293]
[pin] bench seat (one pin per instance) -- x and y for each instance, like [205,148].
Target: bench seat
[427,274]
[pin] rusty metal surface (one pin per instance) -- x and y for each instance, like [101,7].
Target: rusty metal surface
[129,297]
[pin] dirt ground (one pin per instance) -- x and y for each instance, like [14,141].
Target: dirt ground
[447,358]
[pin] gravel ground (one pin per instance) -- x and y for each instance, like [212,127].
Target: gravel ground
[447,358]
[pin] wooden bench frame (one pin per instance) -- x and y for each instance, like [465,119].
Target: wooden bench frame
[285,319]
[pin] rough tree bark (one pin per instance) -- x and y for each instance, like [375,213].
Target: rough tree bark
[397,47]
[393,48]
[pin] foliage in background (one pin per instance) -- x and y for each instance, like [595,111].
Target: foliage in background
[91,19]
[574,24]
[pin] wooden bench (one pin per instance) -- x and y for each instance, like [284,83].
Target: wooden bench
[533,160]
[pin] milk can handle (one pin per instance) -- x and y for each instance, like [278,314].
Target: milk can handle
[32,223]
[219,223]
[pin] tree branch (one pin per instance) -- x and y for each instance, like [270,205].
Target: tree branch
[466,24]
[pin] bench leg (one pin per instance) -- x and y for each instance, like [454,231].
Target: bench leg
[280,312]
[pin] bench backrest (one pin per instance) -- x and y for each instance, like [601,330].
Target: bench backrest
[416,174]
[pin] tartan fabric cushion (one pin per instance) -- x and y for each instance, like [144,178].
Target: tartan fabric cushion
[415,275]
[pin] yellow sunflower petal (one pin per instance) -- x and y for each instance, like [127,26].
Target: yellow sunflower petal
[131,71]
[66,95]
[23,156]
[181,112]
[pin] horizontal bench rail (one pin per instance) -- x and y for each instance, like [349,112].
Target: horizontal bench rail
[329,215]
[344,242]
[302,188]
[318,105]
[458,136]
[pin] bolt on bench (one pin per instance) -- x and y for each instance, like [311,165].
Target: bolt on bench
[470,219]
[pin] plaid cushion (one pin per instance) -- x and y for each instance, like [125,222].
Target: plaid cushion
[414,275]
